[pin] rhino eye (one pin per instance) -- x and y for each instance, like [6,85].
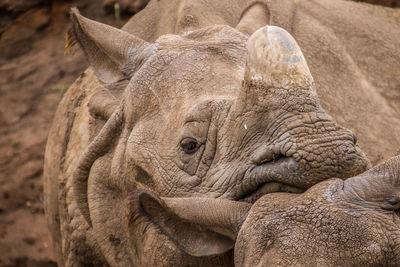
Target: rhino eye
[189,146]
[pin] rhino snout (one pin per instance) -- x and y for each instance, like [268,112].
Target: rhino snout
[322,149]
[328,153]
[279,100]
[307,153]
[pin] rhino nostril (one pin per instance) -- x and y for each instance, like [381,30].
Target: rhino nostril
[266,153]
[270,158]
[354,137]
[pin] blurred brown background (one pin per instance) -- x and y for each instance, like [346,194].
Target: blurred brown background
[34,74]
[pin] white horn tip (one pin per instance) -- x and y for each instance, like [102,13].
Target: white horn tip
[275,59]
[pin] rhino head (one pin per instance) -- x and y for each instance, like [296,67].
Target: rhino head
[209,113]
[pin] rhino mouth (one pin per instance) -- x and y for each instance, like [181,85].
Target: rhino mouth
[268,188]
[277,175]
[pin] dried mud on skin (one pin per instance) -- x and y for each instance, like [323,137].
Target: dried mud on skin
[34,73]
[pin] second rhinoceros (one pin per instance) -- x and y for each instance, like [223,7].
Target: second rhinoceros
[210,113]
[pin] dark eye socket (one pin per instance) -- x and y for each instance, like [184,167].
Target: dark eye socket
[190,146]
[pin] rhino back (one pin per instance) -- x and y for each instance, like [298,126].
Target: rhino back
[178,16]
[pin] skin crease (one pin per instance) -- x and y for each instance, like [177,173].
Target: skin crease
[165,95]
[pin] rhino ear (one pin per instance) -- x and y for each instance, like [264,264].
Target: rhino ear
[186,223]
[113,53]
[253,17]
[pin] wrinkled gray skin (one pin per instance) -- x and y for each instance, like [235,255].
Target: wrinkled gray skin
[211,113]
[334,223]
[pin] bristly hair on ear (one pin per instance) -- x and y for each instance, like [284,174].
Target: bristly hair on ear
[70,36]
[70,41]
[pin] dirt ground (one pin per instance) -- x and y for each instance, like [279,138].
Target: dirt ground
[34,74]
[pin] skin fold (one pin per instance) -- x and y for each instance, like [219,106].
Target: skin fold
[219,112]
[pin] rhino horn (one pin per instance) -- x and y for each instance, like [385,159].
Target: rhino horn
[114,54]
[274,60]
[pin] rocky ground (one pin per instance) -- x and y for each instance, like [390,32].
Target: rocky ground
[34,74]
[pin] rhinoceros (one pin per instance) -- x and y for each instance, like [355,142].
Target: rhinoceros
[198,110]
